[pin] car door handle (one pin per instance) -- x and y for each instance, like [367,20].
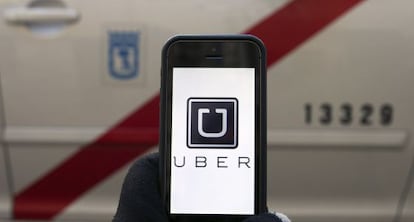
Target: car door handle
[41,15]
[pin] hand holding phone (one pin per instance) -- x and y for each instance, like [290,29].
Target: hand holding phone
[140,198]
[213,127]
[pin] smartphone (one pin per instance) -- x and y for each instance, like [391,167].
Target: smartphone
[213,127]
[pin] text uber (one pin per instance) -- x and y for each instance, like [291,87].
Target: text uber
[219,162]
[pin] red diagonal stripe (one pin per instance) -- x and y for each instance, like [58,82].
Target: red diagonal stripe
[287,28]
[282,31]
[52,193]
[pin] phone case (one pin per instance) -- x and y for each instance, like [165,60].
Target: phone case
[164,152]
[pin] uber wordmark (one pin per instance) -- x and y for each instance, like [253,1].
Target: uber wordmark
[212,124]
[219,162]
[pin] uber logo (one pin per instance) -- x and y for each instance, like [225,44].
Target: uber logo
[212,122]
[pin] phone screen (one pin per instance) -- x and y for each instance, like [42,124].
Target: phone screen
[212,161]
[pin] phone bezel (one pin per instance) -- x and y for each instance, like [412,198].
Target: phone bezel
[202,54]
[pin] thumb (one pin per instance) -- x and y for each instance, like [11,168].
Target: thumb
[268,217]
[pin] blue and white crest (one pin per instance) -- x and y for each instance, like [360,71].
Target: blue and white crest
[123,54]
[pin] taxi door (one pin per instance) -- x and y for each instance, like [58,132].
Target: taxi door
[80,83]
[69,71]
[75,75]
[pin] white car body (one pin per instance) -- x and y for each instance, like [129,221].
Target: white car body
[58,97]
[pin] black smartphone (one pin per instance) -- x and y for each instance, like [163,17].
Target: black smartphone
[213,127]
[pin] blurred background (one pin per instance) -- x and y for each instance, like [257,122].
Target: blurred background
[79,102]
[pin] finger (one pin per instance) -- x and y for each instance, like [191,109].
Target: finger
[140,198]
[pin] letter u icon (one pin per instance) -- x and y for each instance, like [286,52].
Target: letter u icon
[223,131]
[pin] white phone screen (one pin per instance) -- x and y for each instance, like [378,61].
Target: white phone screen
[213,141]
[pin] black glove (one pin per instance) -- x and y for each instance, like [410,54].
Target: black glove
[141,199]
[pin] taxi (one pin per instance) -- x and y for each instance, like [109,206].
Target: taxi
[79,95]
